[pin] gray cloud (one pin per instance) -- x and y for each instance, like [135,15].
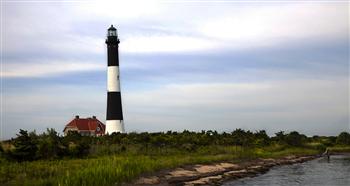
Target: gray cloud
[311,106]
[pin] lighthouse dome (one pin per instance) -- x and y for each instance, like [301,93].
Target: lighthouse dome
[112,28]
[112,31]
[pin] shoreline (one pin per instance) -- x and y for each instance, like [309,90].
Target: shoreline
[217,173]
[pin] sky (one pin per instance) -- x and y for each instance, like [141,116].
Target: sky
[194,65]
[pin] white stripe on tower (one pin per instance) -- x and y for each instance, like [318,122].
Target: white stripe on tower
[114,126]
[114,116]
[113,79]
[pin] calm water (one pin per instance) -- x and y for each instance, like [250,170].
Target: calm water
[316,172]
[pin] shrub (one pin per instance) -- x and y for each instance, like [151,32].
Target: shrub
[295,139]
[261,138]
[25,146]
[343,138]
[49,145]
[280,137]
[188,147]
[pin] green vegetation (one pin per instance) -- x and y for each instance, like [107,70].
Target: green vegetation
[50,159]
[343,138]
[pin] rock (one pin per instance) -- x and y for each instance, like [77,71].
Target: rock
[181,175]
[195,182]
[259,169]
[290,157]
[204,169]
[255,167]
[269,165]
[205,180]
[236,173]
[229,165]
[148,181]
[180,172]
[269,160]
[215,174]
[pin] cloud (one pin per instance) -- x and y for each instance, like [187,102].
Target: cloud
[165,43]
[309,106]
[298,20]
[49,106]
[275,66]
[117,10]
[238,27]
[165,27]
[245,95]
[48,68]
[305,105]
[259,26]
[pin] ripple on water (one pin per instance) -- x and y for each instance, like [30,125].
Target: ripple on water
[335,172]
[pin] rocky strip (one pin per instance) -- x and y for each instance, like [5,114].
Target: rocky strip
[216,174]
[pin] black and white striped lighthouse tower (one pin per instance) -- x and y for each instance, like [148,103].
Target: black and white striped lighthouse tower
[114,122]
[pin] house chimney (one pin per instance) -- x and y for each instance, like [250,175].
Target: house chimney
[93,117]
[77,117]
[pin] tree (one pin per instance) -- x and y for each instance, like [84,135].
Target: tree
[1,150]
[25,146]
[238,137]
[72,136]
[295,139]
[261,138]
[343,138]
[49,145]
[280,136]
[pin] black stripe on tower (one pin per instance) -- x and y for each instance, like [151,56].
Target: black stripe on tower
[114,106]
[113,56]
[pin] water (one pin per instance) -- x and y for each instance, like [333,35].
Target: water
[315,173]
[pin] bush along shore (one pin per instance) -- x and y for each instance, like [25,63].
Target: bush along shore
[170,158]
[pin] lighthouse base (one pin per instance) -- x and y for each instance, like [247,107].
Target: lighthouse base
[114,126]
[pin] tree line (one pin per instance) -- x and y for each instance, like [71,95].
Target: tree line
[29,146]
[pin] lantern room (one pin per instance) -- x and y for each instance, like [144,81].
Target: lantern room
[112,31]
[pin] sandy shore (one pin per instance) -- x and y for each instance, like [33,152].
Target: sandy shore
[216,174]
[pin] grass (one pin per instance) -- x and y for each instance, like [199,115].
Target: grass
[94,171]
[340,148]
[124,167]
[278,151]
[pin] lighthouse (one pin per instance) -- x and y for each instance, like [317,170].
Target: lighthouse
[114,116]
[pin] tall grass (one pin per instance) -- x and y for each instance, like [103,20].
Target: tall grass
[106,170]
[125,166]
[340,148]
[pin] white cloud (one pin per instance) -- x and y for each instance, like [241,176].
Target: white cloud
[48,68]
[167,43]
[117,10]
[44,28]
[60,45]
[242,27]
[270,25]
[175,27]
[238,27]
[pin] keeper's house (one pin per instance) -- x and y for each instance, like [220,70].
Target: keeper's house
[85,126]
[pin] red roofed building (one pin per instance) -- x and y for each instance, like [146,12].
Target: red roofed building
[86,126]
